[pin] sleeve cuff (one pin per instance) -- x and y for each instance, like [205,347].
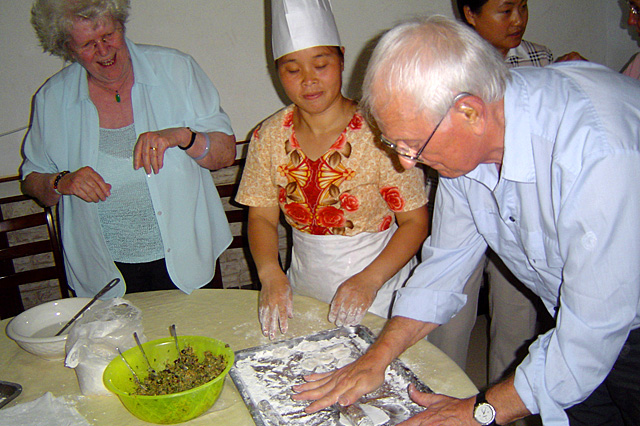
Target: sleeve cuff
[428,305]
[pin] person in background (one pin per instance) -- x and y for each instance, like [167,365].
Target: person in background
[543,166]
[123,140]
[633,68]
[503,24]
[357,219]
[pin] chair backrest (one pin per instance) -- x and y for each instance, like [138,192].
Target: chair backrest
[28,254]
[237,216]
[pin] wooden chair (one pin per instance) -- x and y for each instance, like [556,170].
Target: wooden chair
[14,244]
[236,214]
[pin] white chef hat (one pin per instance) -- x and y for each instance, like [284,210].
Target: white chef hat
[300,24]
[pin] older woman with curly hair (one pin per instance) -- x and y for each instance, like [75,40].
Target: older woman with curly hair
[122,140]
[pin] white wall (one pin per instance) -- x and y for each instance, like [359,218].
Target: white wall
[227,38]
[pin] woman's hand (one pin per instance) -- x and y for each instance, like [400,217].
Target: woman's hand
[276,306]
[352,300]
[354,297]
[85,183]
[276,298]
[151,146]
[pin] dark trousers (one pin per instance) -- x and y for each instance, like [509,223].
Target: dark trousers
[148,276]
[616,402]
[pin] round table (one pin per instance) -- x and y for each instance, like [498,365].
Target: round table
[227,315]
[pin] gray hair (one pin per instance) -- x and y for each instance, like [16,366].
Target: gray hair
[53,20]
[430,60]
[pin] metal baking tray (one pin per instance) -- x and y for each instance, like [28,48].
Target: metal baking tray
[265,374]
[8,392]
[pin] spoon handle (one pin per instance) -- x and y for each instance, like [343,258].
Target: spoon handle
[172,330]
[135,376]
[105,289]
[135,336]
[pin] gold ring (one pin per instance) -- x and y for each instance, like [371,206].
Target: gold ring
[154,148]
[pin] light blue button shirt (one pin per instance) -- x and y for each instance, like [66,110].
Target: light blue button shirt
[563,215]
[170,90]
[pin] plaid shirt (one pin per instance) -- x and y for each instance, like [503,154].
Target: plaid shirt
[529,54]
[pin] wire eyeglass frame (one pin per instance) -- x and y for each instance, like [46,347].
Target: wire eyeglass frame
[405,152]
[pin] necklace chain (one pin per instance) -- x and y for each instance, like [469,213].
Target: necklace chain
[117,91]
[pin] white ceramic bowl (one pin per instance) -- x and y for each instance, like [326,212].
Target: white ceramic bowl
[34,329]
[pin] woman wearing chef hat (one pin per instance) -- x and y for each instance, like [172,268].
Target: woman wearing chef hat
[357,219]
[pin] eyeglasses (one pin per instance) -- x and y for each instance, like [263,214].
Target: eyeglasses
[407,152]
[635,10]
[91,46]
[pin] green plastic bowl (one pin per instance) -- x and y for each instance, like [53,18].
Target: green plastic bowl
[166,409]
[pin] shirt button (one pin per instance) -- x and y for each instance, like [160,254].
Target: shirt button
[159,213]
[512,219]
[168,250]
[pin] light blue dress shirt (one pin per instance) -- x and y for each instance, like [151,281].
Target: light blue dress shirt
[170,90]
[563,215]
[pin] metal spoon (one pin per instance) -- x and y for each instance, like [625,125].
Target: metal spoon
[152,372]
[135,376]
[172,330]
[105,289]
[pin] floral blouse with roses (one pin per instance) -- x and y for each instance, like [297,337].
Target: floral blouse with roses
[356,186]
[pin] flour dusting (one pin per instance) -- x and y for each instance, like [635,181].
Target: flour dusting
[265,375]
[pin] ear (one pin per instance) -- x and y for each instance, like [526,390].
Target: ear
[472,111]
[469,16]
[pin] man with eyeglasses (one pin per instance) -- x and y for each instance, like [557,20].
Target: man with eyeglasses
[543,166]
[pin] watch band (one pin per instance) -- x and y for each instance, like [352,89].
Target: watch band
[193,139]
[481,402]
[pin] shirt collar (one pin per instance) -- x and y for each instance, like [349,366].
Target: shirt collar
[517,160]
[486,174]
[142,69]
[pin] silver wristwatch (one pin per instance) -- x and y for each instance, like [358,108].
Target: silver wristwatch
[483,412]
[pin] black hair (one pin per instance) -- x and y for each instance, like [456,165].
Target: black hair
[474,6]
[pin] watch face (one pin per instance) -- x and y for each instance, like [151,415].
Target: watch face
[484,413]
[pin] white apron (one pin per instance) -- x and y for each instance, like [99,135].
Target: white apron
[320,263]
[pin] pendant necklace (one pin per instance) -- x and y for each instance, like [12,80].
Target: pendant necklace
[117,95]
